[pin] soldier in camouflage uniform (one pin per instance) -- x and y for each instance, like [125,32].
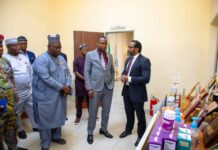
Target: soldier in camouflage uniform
[8,117]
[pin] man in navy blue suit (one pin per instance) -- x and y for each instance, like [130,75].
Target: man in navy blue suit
[135,76]
[23,49]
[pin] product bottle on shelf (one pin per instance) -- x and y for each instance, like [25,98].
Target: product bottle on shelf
[183,100]
[168,120]
[182,118]
[195,133]
[177,118]
[177,98]
[171,102]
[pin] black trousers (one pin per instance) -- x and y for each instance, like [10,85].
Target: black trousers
[79,101]
[130,109]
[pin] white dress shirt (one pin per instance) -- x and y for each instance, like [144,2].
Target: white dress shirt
[133,61]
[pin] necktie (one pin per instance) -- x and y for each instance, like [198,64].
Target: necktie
[128,66]
[103,61]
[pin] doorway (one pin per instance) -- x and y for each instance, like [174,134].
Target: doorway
[117,46]
[90,38]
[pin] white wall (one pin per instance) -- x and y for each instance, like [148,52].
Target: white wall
[34,19]
[176,34]
[213,36]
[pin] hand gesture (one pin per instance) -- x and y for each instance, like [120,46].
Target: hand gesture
[124,78]
[90,93]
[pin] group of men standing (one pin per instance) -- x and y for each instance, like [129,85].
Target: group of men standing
[94,71]
[16,91]
[41,89]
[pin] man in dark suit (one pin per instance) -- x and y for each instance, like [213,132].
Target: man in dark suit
[135,76]
[23,49]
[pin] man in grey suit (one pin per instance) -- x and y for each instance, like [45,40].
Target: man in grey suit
[99,80]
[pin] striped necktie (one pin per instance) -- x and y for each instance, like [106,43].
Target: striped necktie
[128,66]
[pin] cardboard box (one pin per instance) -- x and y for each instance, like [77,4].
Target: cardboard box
[183,141]
[155,143]
[170,140]
[184,130]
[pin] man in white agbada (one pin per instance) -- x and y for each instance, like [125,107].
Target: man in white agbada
[23,79]
[51,85]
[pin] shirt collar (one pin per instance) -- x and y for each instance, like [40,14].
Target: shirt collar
[136,56]
[99,52]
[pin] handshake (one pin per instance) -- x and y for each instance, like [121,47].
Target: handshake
[66,90]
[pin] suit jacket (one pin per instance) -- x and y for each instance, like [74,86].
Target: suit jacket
[140,76]
[31,56]
[95,75]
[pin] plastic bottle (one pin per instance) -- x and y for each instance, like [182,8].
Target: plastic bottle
[177,118]
[195,133]
[168,120]
[182,118]
[177,110]
[177,98]
[171,101]
[173,90]
[183,100]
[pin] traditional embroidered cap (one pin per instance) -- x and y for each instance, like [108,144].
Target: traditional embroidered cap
[11,41]
[22,38]
[54,38]
[83,45]
[1,38]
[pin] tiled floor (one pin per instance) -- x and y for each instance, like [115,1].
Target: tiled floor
[76,135]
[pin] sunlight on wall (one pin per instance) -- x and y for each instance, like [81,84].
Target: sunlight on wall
[34,19]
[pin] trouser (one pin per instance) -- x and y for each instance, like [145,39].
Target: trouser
[106,96]
[25,105]
[46,135]
[130,108]
[79,101]
[8,130]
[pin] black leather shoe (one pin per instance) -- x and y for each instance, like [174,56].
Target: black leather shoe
[137,141]
[44,149]
[59,141]
[90,138]
[36,129]
[105,133]
[125,133]
[22,134]
[20,148]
